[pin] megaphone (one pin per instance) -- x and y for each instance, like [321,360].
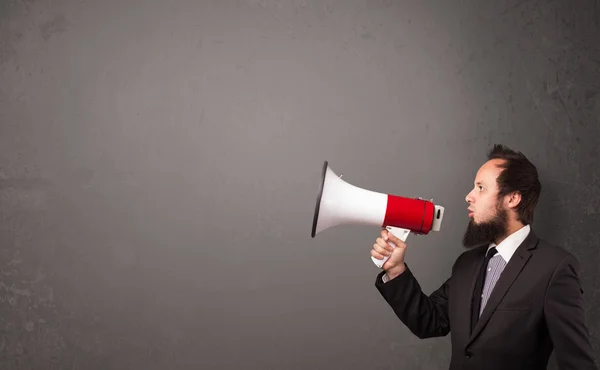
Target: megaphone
[339,202]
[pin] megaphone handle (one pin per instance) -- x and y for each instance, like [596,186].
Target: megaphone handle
[401,234]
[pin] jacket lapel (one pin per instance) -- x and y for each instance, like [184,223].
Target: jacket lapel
[507,278]
[468,278]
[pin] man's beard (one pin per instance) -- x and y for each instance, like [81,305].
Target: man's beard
[486,232]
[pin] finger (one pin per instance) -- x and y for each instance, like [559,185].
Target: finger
[397,241]
[385,234]
[383,244]
[379,249]
[392,237]
[378,256]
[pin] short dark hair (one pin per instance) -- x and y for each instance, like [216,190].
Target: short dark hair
[519,175]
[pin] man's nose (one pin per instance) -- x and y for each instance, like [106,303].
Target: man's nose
[469,199]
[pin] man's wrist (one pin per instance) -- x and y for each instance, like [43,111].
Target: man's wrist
[395,271]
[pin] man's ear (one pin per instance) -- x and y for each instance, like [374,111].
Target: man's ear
[513,199]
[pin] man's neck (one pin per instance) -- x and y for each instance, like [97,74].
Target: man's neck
[513,227]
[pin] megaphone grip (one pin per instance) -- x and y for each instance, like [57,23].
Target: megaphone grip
[401,234]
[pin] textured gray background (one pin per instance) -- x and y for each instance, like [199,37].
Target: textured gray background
[159,164]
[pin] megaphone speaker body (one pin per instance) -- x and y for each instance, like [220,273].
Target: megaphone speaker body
[339,202]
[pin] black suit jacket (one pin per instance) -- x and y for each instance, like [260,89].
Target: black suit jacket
[536,307]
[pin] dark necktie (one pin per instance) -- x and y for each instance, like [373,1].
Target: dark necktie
[479,287]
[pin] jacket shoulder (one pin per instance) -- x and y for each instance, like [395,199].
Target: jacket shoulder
[554,255]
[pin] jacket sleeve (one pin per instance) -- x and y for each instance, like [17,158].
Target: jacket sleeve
[425,316]
[565,318]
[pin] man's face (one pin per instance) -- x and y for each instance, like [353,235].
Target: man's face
[488,216]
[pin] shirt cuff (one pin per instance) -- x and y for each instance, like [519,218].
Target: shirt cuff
[385,278]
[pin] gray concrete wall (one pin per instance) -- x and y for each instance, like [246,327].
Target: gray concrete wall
[159,163]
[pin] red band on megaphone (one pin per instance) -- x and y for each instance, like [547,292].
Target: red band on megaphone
[408,213]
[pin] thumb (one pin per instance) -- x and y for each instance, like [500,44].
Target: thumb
[391,237]
[395,240]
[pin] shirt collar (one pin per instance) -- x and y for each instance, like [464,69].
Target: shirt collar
[509,245]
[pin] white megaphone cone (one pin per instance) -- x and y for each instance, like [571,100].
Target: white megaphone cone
[339,202]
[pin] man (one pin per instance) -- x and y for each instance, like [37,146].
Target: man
[512,298]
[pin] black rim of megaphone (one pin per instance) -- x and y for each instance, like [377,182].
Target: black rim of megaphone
[317,206]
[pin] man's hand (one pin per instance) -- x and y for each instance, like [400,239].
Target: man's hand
[394,266]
